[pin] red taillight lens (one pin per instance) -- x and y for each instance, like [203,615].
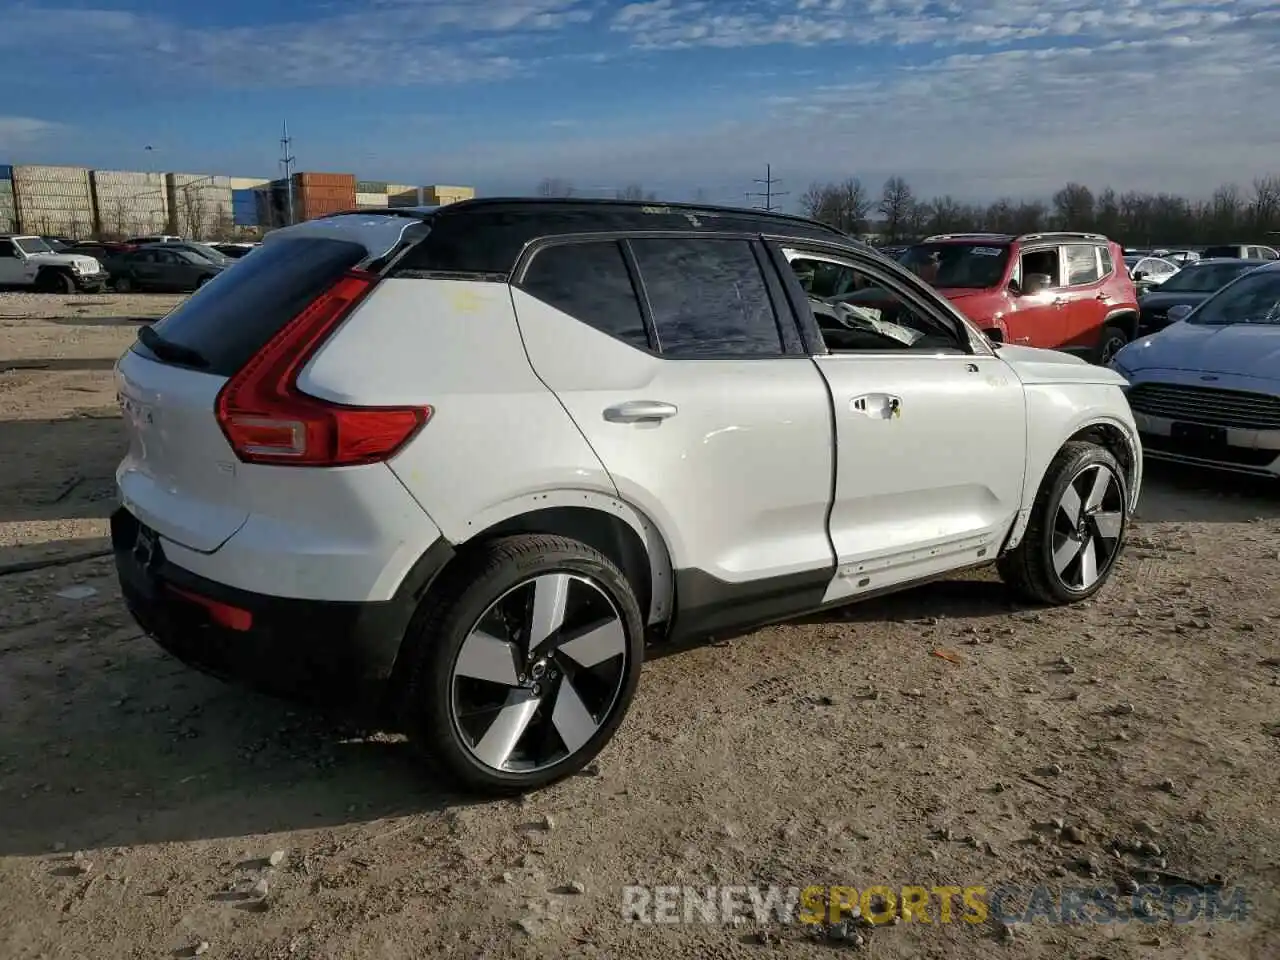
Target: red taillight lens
[266,419]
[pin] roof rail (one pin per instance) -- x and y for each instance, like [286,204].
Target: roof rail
[1049,234]
[415,213]
[966,235]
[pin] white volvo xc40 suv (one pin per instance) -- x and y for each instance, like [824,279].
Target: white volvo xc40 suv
[470,461]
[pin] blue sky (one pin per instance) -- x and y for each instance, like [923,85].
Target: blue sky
[976,98]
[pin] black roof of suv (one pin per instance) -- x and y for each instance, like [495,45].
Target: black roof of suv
[487,236]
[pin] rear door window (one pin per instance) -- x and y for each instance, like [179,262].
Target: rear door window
[229,321]
[1082,264]
[709,299]
[590,281]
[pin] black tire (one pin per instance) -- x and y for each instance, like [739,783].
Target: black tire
[123,285]
[446,619]
[55,281]
[1029,568]
[1113,338]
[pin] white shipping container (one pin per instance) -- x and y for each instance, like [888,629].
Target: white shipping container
[394,188]
[129,203]
[53,200]
[8,211]
[371,199]
[199,205]
[248,183]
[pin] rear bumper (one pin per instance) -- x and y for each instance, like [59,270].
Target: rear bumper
[323,652]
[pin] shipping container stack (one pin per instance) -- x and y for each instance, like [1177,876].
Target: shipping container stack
[128,203]
[199,205]
[320,194]
[53,201]
[8,209]
[371,193]
[430,196]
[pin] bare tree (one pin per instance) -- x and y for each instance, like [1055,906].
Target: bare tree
[1073,207]
[633,191]
[897,206]
[843,205]
[555,187]
[1264,210]
[193,212]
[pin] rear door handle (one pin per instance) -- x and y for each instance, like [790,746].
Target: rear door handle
[1059,301]
[640,411]
[1104,297]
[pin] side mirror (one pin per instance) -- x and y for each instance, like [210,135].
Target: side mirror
[1034,283]
[1140,276]
[1179,312]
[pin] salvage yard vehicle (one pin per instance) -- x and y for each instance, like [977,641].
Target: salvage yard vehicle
[1189,287]
[1206,389]
[467,464]
[1066,291]
[30,262]
[163,267]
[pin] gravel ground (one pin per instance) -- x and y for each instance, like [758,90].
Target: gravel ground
[939,737]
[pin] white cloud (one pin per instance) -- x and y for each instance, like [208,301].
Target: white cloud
[26,131]
[1142,94]
[374,42]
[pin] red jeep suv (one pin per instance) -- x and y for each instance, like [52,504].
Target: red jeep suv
[1065,291]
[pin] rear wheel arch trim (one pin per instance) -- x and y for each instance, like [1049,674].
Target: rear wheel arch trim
[547,508]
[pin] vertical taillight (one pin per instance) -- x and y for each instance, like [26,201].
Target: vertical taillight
[266,419]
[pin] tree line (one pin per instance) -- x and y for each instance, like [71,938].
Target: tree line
[1133,218]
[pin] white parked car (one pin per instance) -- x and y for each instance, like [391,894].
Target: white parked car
[472,461]
[1206,388]
[30,262]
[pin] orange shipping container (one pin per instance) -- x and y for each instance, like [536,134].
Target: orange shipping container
[339,180]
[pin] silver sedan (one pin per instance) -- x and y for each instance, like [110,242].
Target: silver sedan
[1206,388]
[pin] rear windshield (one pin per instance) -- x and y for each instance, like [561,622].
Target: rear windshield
[973,266]
[1229,251]
[230,319]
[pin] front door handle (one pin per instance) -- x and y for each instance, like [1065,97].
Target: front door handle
[877,406]
[640,411]
[1059,301]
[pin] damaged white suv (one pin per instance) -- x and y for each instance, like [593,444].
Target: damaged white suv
[473,460]
[30,262]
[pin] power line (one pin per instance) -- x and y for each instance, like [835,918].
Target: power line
[768,193]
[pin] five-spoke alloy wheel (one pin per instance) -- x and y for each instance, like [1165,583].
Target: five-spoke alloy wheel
[523,664]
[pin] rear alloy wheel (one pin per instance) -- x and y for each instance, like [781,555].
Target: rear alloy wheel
[525,663]
[1113,338]
[1076,530]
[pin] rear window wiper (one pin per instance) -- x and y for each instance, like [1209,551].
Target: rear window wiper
[169,351]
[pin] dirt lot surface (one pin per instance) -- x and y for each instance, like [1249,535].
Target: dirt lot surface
[142,802]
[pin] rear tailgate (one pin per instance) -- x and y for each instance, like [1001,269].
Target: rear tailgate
[180,475]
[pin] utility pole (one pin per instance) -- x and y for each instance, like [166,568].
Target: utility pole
[286,161]
[768,194]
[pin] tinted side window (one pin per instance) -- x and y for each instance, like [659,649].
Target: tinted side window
[590,281]
[6,249]
[1082,263]
[708,297]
